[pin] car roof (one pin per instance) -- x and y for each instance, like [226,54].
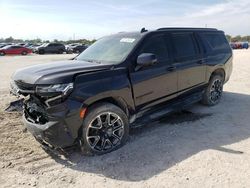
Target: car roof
[177,29]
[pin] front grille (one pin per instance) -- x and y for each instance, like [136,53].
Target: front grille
[35,113]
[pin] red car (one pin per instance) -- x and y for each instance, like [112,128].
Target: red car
[13,49]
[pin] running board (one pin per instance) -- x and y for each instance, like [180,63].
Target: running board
[162,110]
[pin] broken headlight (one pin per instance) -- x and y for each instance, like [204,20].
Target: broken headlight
[54,90]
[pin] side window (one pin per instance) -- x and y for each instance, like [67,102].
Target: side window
[157,46]
[215,41]
[184,45]
[51,45]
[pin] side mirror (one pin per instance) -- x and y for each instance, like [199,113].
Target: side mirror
[146,59]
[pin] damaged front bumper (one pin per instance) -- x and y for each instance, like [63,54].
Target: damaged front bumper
[57,126]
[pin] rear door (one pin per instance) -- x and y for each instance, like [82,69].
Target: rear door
[50,48]
[14,50]
[156,83]
[188,60]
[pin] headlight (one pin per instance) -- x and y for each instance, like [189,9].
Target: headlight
[54,90]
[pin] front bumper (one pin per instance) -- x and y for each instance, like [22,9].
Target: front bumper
[62,126]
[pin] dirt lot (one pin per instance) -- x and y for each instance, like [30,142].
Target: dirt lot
[206,147]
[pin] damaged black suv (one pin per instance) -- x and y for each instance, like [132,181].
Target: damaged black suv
[121,81]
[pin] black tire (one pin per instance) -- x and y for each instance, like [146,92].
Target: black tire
[2,54]
[41,51]
[99,135]
[24,53]
[213,92]
[60,51]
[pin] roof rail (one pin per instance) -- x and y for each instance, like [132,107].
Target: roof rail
[186,28]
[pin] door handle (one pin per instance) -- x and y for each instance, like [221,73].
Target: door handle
[172,68]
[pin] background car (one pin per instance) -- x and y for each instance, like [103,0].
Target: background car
[245,45]
[79,48]
[239,45]
[5,44]
[51,48]
[14,49]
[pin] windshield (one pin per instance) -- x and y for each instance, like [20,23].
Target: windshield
[110,50]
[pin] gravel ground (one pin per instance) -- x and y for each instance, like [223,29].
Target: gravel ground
[203,146]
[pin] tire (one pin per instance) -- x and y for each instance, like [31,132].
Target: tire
[213,92]
[24,53]
[60,51]
[99,136]
[2,54]
[41,51]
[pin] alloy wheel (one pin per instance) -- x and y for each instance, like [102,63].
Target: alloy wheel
[216,90]
[105,132]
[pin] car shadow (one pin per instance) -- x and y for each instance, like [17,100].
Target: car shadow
[158,146]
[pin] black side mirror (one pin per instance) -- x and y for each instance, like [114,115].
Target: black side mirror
[146,59]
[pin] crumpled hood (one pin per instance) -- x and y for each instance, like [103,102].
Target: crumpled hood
[55,72]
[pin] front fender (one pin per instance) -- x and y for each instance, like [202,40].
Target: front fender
[96,86]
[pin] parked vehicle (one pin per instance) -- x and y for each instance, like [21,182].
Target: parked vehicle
[239,45]
[79,48]
[75,48]
[121,81]
[5,44]
[51,48]
[14,50]
[245,45]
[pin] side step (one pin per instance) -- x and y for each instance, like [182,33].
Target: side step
[162,110]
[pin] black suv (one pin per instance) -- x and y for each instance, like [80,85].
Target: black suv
[51,48]
[121,81]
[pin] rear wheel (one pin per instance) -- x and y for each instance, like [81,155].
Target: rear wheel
[24,53]
[105,129]
[213,92]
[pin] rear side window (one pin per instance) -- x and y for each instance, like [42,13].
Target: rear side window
[157,46]
[215,41]
[184,45]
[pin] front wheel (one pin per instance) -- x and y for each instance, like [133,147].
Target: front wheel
[213,92]
[105,129]
[2,53]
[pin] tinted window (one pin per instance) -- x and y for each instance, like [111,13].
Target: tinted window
[216,41]
[14,47]
[157,46]
[184,45]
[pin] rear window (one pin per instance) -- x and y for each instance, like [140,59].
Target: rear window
[184,45]
[215,41]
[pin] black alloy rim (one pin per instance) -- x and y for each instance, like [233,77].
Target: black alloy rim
[105,132]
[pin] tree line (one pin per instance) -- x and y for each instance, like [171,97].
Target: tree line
[35,41]
[238,38]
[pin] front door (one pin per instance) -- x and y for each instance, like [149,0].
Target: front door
[156,83]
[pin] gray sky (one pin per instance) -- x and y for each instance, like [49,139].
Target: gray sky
[54,19]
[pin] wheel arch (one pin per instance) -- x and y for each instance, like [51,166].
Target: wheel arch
[219,71]
[118,101]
